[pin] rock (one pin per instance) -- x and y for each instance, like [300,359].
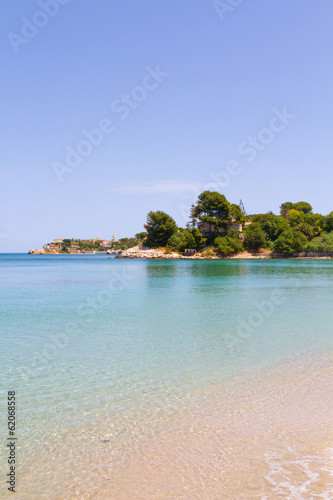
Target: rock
[140,252]
[42,252]
[113,252]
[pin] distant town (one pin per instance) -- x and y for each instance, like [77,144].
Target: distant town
[94,245]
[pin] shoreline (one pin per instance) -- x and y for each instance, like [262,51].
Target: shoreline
[262,432]
[160,254]
[152,254]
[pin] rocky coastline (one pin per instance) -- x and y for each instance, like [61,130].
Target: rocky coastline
[57,252]
[140,252]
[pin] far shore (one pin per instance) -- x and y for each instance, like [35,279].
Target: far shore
[145,253]
[208,254]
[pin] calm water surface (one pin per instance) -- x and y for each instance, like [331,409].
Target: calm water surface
[88,343]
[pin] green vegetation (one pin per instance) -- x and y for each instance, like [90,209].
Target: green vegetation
[328,223]
[290,241]
[213,208]
[296,229]
[321,244]
[160,227]
[272,225]
[200,241]
[229,244]
[219,227]
[301,206]
[94,245]
[65,245]
[255,237]
[186,238]
[88,245]
[125,243]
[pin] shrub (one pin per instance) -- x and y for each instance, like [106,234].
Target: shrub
[321,244]
[177,242]
[208,253]
[290,241]
[181,240]
[199,240]
[228,244]
[255,237]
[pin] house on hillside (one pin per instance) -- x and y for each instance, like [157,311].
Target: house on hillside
[106,243]
[205,228]
[57,240]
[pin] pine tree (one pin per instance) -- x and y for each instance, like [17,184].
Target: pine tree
[241,206]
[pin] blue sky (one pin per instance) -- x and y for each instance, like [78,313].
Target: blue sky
[187,96]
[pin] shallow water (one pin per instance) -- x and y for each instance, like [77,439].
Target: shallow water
[212,376]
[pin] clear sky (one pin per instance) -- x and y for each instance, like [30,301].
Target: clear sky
[234,96]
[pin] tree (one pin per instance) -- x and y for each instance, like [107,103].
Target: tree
[290,241]
[315,220]
[212,207]
[200,241]
[160,227]
[65,244]
[177,242]
[242,208]
[328,223]
[303,206]
[141,236]
[272,224]
[237,214]
[323,243]
[295,217]
[285,207]
[182,239]
[307,230]
[255,237]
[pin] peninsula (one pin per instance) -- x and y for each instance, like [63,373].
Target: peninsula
[217,229]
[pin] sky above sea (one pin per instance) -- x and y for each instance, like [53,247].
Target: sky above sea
[113,109]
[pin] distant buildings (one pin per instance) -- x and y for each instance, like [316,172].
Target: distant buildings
[106,243]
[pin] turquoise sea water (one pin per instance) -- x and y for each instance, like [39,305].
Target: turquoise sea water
[84,340]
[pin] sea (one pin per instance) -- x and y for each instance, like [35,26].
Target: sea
[167,379]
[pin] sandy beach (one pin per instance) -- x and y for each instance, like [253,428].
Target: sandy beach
[262,435]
